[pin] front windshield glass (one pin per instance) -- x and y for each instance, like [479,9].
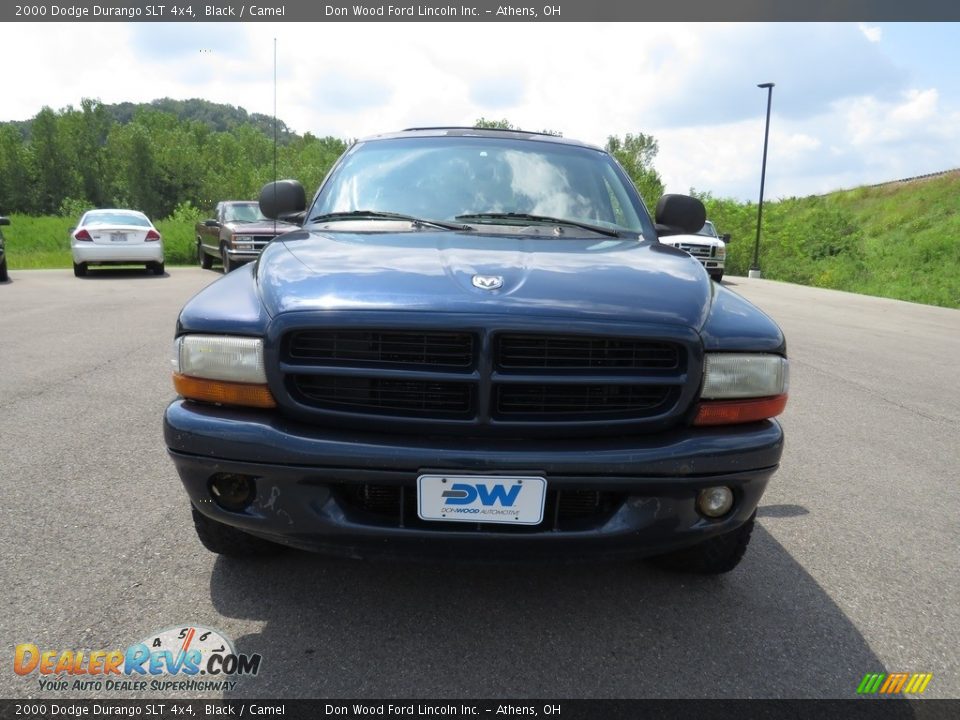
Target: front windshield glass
[707,230]
[247,212]
[441,178]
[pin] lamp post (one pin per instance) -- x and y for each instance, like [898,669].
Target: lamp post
[755,267]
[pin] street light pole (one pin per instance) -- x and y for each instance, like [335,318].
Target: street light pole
[755,268]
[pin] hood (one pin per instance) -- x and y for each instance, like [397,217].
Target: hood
[600,278]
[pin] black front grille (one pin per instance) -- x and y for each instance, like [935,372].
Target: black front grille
[395,505]
[570,352]
[384,396]
[547,399]
[381,348]
[493,382]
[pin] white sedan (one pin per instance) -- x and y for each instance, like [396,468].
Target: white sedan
[116,237]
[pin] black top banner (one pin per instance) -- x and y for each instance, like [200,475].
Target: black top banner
[861,709]
[479,11]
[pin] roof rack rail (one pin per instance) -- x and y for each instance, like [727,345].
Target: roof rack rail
[474,127]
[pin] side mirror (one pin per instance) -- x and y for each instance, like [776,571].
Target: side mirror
[679,215]
[298,218]
[4,221]
[725,237]
[211,223]
[282,198]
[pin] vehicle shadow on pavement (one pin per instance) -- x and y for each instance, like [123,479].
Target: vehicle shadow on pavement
[342,628]
[97,273]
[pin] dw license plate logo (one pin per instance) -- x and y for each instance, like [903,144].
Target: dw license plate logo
[481,498]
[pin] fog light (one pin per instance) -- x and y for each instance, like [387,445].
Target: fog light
[715,502]
[233,492]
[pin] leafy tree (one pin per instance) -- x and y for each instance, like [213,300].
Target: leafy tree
[503,124]
[85,136]
[636,153]
[56,175]
[18,180]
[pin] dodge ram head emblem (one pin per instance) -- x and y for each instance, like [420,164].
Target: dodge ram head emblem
[487,282]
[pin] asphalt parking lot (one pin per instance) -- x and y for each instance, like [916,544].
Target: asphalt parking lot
[853,567]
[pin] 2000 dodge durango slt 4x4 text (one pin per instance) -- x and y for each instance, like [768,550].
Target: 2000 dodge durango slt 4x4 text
[476,345]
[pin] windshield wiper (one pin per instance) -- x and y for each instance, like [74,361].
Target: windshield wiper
[539,218]
[380,215]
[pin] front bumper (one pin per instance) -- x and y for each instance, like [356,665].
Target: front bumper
[306,475]
[243,255]
[712,264]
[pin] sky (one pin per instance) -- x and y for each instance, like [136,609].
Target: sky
[853,103]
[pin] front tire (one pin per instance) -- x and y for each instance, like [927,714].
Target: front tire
[717,277]
[715,556]
[225,540]
[3,271]
[228,264]
[80,269]
[206,262]
[156,268]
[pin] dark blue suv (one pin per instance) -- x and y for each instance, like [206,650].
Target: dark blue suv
[476,346]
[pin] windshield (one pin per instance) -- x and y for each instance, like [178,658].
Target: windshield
[708,230]
[443,178]
[246,212]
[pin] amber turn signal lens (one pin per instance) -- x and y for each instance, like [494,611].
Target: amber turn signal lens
[222,392]
[732,412]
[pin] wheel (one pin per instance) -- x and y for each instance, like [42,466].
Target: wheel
[228,264]
[79,269]
[156,268]
[225,540]
[3,271]
[715,556]
[717,277]
[206,262]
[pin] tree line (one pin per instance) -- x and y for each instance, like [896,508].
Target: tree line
[154,157]
[186,154]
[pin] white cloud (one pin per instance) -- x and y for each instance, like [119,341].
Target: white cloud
[873,34]
[870,122]
[919,105]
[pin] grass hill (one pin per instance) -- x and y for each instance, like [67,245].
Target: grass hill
[899,239]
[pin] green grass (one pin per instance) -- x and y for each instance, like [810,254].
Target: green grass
[899,241]
[35,243]
[38,242]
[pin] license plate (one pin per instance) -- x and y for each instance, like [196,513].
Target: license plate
[515,500]
[118,237]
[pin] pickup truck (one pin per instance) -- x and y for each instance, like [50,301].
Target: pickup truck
[479,344]
[706,246]
[236,234]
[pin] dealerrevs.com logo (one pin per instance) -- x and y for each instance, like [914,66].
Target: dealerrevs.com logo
[187,658]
